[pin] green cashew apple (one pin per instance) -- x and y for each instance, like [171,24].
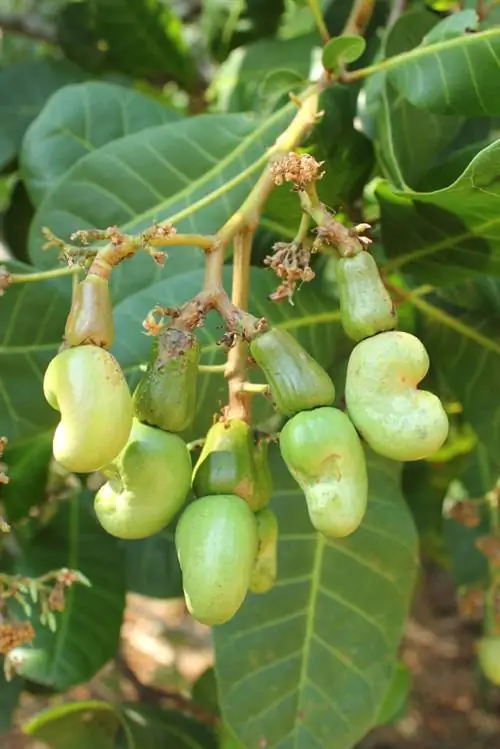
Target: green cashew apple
[266,564]
[227,465]
[323,452]
[366,307]
[87,386]
[148,483]
[394,417]
[488,653]
[166,395]
[296,381]
[90,320]
[216,541]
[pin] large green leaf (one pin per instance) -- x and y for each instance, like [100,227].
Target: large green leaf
[152,568]
[308,664]
[24,89]
[314,320]
[226,24]
[449,234]
[182,173]
[450,71]
[88,629]
[148,727]
[142,38]
[28,463]
[79,119]
[32,319]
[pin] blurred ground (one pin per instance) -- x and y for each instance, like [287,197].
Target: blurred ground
[164,651]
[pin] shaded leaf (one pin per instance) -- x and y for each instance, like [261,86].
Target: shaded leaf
[308,664]
[32,321]
[449,234]
[138,37]
[10,692]
[24,88]
[16,222]
[152,568]
[79,119]
[28,463]
[79,725]
[395,701]
[179,173]
[89,627]
[151,727]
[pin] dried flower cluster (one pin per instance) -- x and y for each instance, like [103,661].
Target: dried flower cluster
[5,279]
[290,262]
[299,169]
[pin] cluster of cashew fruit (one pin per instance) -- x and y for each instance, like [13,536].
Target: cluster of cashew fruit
[226,538]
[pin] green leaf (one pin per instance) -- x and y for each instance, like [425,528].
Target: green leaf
[396,698]
[450,234]
[235,86]
[152,568]
[443,76]
[79,725]
[31,326]
[28,463]
[79,119]
[16,221]
[142,38]
[276,87]
[180,173]
[10,692]
[151,727]
[342,49]
[347,153]
[308,664]
[24,88]
[314,320]
[88,629]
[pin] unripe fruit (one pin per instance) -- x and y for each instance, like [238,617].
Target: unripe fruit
[266,564]
[227,465]
[166,395]
[324,454]
[90,320]
[365,305]
[148,484]
[264,485]
[87,386]
[216,541]
[394,417]
[296,380]
[488,653]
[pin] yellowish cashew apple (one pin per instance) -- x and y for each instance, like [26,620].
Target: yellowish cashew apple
[87,386]
[392,415]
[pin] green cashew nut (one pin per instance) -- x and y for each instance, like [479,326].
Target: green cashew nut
[296,380]
[365,305]
[488,653]
[166,395]
[216,541]
[394,417]
[227,465]
[90,320]
[324,454]
[264,483]
[148,484]
[265,568]
[87,386]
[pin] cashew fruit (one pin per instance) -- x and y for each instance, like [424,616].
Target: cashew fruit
[488,653]
[265,486]
[266,564]
[296,381]
[366,307]
[166,395]
[216,541]
[87,386]
[90,320]
[148,483]
[323,452]
[392,415]
[227,465]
